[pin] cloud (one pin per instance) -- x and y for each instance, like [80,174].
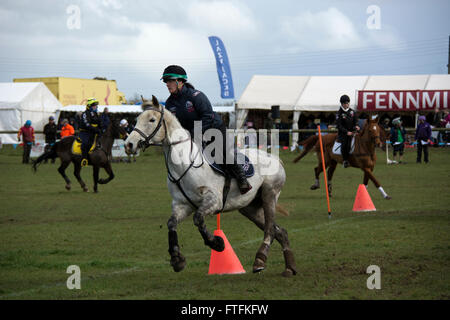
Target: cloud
[324,30]
[222,18]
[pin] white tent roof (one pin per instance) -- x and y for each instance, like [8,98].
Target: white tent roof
[438,82]
[262,92]
[402,82]
[321,93]
[25,101]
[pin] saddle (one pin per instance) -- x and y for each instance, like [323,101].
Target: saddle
[249,171]
[248,167]
[337,147]
[76,146]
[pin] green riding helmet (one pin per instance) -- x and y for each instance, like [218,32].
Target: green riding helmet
[174,72]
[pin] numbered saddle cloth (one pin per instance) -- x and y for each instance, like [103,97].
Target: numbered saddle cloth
[76,146]
[337,147]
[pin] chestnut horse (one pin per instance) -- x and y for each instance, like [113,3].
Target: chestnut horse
[363,156]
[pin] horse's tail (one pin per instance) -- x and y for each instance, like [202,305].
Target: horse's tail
[280,209]
[51,154]
[307,144]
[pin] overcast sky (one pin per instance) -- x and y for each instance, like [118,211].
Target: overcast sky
[132,41]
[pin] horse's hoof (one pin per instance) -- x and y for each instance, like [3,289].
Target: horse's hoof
[85,189]
[68,187]
[95,191]
[288,273]
[388,198]
[178,262]
[218,244]
[102,181]
[314,187]
[258,266]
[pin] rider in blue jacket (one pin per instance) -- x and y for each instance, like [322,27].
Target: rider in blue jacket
[189,105]
[89,127]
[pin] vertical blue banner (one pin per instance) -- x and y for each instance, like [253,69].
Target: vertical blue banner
[223,68]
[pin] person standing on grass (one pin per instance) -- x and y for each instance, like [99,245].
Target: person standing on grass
[423,137]
[50,132]
[27,132]
[398,135]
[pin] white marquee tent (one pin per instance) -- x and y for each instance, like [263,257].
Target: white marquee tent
[321,93]
[20,102]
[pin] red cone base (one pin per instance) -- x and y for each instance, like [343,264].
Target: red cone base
[363,202]
[225,262]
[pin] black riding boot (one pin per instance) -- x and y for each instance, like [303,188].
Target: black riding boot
[85,157]
[239,173]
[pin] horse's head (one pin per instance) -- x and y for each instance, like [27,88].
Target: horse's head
[375,131]
[148,127]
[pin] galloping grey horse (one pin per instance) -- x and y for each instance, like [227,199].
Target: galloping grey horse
[198,189]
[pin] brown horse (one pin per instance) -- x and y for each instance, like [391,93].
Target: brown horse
[363,156]
[98,158]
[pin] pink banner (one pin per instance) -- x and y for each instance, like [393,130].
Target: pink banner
[410,100]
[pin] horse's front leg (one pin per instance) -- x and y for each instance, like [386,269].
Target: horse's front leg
[179,212]
[210,204]
[370,175]
[110,173]
[76,173]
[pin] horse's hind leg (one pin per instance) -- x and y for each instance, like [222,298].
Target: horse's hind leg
[330,173]
[210,205]
[255,213]
[95,171]
[62,170]
[317,171]
[76,173]
[269,195]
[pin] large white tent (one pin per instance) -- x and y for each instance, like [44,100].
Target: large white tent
[321,93]
[20,102]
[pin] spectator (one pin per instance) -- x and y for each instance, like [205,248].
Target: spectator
[104,119]
[73,123]
[67,130]
[422,137]
[50,132]
[27,131]
[128,128]
[398,136]
[385,124]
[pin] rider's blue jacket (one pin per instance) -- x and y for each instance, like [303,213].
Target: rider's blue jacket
[191,105]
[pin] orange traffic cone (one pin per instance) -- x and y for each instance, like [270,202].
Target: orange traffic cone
[225,262]
[363,201]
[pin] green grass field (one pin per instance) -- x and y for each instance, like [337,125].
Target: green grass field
[118,237]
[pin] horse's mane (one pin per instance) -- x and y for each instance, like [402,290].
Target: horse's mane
[169,117]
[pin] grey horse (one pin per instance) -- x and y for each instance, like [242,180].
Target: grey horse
[196,188]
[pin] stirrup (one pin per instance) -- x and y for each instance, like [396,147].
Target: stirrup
[84,162]
[244,187]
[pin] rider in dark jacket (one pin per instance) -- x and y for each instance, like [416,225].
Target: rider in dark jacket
[347,125]
[89,127]
[189,105]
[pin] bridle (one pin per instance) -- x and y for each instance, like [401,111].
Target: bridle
[146,143]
